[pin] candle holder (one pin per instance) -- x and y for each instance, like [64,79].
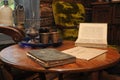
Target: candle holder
[32,32]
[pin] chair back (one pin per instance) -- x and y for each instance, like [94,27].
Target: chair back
[16,34]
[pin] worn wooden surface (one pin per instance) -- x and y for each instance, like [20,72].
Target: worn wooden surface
[16,56]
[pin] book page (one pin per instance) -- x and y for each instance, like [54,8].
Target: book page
[84,53]
[92,33]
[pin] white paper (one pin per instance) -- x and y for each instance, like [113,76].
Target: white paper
[84,53]
[92,33]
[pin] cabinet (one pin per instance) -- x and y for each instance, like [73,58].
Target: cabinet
[102,13]
[108,12]
[116,13]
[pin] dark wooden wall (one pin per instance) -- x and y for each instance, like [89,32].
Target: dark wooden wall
[108,12]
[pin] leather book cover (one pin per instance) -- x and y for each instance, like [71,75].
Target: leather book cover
[49,57]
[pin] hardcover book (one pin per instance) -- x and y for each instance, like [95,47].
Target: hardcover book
[49,57]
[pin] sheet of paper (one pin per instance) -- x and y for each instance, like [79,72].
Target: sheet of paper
[92,33]
[84,53]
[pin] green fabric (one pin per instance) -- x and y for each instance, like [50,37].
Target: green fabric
[69,34]
[68,14]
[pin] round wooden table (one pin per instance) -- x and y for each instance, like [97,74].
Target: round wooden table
[16,56]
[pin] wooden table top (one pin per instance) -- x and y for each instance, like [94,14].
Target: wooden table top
[16,56]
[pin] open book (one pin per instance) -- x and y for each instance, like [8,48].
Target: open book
[92,35]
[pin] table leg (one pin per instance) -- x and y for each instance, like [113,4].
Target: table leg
[60,76]
[100,75]
[96,75]
[42,76]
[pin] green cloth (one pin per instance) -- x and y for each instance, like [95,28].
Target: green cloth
[68,14]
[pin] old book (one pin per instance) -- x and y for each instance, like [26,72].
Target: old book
[92,35]
[49,57]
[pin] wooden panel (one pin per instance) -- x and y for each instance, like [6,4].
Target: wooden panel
[113,34]
[102,13]
[116,13]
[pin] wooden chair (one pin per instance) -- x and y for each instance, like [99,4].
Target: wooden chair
[17,35]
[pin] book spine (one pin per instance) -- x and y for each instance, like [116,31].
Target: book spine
[62,62]
[38,61]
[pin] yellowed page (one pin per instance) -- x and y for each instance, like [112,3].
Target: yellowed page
[92,33]
[84,53]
